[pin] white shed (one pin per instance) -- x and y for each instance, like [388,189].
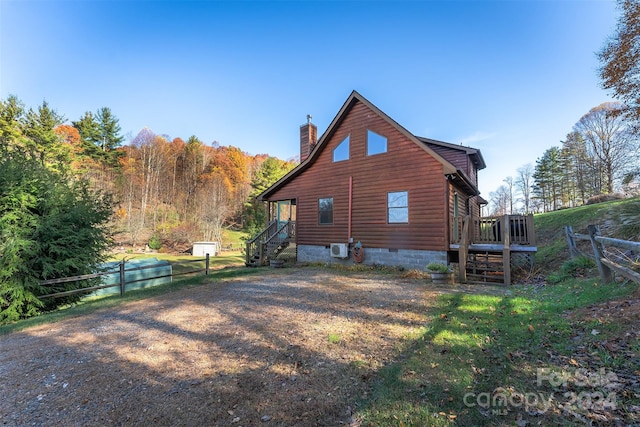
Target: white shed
[202,248]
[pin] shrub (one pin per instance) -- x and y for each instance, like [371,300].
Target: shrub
[600,198]
[155,243]
[575,267]
[437,267]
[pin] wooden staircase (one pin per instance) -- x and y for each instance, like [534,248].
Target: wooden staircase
[485,246]
[485,267]
[269,243]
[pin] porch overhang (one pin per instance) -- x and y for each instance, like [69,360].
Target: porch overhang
[462,180]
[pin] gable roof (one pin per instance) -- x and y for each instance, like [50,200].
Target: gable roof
[474,153]
[448,168]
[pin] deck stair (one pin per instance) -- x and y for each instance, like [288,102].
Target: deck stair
[485,267]
[485,246]
[269,243]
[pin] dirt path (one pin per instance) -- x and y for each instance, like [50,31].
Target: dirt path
[291,348]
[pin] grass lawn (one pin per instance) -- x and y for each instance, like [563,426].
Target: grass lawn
[519,359]
[186,263]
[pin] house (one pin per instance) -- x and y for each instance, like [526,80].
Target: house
[369,183]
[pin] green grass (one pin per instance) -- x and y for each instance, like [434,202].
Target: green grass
[479,345]
[334,338]
[552,244]
[185,263]
[234,238]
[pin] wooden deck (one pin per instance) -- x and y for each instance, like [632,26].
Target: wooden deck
[492,231]
[485,246]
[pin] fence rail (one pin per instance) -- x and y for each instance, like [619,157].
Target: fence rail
[122,282]
[602,255]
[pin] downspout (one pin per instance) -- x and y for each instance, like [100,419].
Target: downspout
[349,213]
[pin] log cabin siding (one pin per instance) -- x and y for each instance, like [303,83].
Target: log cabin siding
[404,167]
[459,158]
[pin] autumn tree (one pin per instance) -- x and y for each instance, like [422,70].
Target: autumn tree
[523,184]
[500,200]
[620,70]
[214,205]
[609,142]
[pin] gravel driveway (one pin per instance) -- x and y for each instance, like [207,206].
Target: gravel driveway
[294,347]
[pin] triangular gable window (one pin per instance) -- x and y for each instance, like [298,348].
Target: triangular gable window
[376,143]
[341,152]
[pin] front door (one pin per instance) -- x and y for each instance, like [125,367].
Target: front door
[284,212]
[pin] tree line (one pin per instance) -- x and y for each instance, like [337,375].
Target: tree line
[177,190]
[598,157]
[69,191]
[601,155]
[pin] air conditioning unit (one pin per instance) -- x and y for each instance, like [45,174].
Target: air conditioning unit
[339,250]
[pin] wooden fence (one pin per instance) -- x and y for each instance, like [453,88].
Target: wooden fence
[608,259]
[122,282]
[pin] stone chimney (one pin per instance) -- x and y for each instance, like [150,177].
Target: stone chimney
[308,138]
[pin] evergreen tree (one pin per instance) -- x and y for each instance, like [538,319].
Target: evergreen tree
[100,135]
[548,177]
[49,228]
[89,130]
[43,142]
[270,171]
[109,130]
[11,121]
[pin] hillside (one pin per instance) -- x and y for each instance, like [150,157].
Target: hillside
[618,219]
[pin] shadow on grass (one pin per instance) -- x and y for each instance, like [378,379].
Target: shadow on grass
[470,367]
[488,360]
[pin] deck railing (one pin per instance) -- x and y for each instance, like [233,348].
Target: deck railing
[256,245]
[492,230]
[268,241]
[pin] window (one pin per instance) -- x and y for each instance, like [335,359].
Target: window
[325,210]
[376,143]
[398,207]
[341,152]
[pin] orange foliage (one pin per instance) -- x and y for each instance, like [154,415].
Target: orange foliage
[70,135]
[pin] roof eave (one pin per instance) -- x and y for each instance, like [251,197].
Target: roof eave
[464,181]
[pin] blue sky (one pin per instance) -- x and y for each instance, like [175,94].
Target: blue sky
[508,77]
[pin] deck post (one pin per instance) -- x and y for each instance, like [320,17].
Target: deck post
[463,251]
[506,250]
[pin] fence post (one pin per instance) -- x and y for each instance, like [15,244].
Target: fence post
[122,278]
[568,231]
[206,264]
[605,272]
